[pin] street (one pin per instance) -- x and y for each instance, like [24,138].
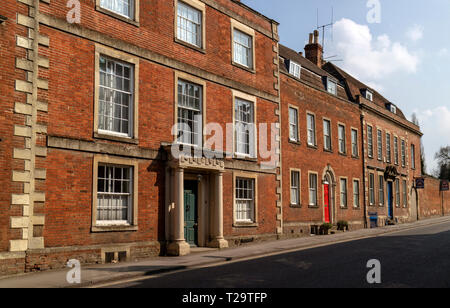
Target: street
[413,258]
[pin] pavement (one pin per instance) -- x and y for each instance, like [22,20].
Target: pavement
[96,275]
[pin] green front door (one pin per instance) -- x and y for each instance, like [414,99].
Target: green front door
[190,213]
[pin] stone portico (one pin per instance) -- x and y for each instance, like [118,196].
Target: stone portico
[207,173]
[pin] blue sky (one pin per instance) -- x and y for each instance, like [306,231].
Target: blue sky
[406,56]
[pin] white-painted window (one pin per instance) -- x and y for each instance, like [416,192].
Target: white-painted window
[380,144]
[397,192]
[354,143]
[388,148]
[403,153]
[313,189]
[413,156]
[243,49]
[294,69]
[311,122]
[343,190]
[121,7]
[189,24]
[396,150]
[115,97]
[371,189]
[245,127]
[293,124]
[341,136]
[245,200]
[405,192]
[114,195]
[327,135]
[331,87]
[190,101]
[381,189]
[369,96]
[356,203]
[295,188]
[370,141]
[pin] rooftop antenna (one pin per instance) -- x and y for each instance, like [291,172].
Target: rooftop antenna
[324,27]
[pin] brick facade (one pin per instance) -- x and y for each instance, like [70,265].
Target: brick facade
[52,144]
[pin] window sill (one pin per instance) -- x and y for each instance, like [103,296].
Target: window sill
[314,147]
[245,225]
[313,206]
[328,151]
[344,207]
[251,70]
[245,158]
[116,138]
[295,142]
[355,157]
[117,16]
[343,154]
[295,206]
[189,45]
[114,228]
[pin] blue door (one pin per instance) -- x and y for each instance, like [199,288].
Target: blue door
[390,201]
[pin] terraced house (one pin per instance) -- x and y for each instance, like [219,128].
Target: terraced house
[143,128]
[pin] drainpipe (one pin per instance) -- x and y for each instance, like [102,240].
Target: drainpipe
[363,154]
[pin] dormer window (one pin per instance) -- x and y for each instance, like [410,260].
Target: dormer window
[368,94]
[392,108]
[331,85]
[294,69]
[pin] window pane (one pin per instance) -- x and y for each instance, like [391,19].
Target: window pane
[114,194]
[243,49]
[122,7]
[189,24]
[115,97]
[245,200]
[190,119]
[244,127]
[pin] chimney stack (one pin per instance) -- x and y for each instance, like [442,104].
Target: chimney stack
[314,51]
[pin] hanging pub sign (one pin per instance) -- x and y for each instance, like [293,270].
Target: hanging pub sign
[444,185]
[420,183]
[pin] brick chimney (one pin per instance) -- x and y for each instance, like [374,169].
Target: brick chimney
[314,51]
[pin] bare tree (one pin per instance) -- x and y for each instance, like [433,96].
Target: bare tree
[443,158]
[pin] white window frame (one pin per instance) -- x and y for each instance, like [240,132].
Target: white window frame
[405,193]
[388,148]
[131,224]
[356,194]
[293,125]
[397,192]
[327,144]
[197,7]
[196,138]
[380,144]
[133,8]
[381,190]
[371,188]
[370,141]
[403,149]
[253,217]
[332,86]
[295,187]
[241,29]
[396,161]
[343,189]
[295,69]
[311,129]
[413,156]
[313,189]
[342,139]
[354,136]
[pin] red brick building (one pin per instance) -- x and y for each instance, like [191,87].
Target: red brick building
[154,127]
[89,107]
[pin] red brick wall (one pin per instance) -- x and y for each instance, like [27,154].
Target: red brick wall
[432,201]
[306,159]
[405,172]
[156,33]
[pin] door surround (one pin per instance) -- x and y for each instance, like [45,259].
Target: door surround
[329,178]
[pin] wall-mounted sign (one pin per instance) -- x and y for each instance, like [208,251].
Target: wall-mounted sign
[444,185]
[420,183]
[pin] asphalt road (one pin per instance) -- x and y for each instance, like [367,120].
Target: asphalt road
[414,258]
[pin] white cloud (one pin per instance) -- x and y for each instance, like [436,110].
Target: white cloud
[415,33]
[435,124]
[443,52]
[370,59]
